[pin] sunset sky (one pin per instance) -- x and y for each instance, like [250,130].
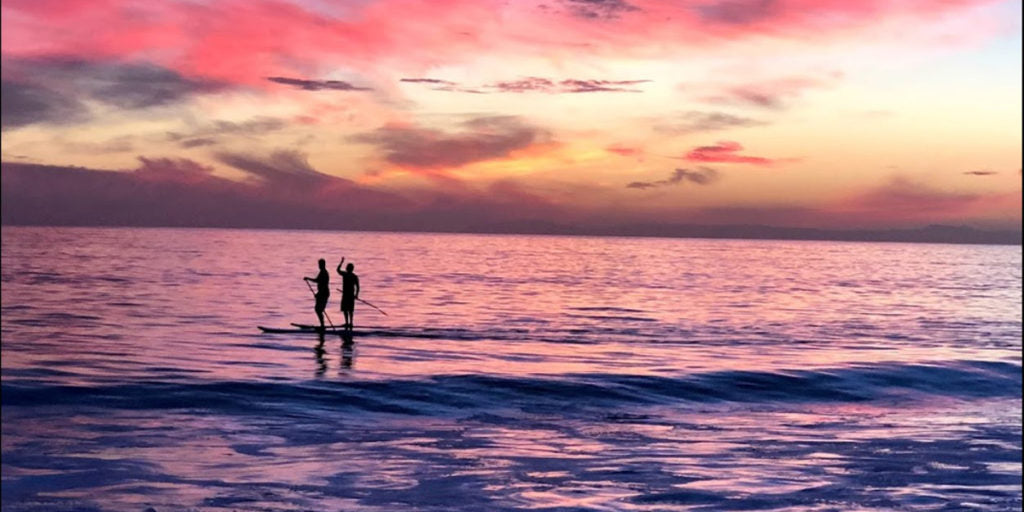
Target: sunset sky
[416,114]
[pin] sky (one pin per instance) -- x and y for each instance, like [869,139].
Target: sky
[455,114]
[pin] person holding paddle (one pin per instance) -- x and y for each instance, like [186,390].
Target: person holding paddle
[323,290]
[349,292]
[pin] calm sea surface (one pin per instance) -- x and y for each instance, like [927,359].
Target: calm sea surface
[512,372]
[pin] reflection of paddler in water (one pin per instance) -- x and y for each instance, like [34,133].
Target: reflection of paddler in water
[319,351]
[346,351]
[349,292]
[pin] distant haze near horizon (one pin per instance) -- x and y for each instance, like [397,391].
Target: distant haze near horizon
[719,118]
[95,199]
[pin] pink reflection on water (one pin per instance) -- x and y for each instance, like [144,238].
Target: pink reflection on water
[508,371]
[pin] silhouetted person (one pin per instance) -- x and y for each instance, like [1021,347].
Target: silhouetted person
[349,292]
[323,290]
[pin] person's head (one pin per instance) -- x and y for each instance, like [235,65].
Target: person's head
[322,263]
[349,267]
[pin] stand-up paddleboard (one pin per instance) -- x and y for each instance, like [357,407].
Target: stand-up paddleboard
[295,330]
[378,332]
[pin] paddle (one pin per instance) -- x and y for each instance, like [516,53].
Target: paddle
[367,303]
[325,309]
[372,306]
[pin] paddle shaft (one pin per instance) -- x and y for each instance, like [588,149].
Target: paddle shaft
[367,303]
[325,309]
[372,306]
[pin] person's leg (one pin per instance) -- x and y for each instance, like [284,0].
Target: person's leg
[321,308]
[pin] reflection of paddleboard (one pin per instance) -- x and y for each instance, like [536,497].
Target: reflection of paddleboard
[311,330]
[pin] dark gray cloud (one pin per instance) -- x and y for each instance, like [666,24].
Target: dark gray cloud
[25,104]
[700,176]
[699,122]
[442,85]
[524,85]
[600,85]
[534,84]
[316,85]
[483,138]
[737,12]
[135,86]
[198,142]
[131,85]
[434,81]
[55,89]
[599,9]
[572,85]
[981,173]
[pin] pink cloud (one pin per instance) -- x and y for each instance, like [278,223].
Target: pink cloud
[726,152]
[243,41]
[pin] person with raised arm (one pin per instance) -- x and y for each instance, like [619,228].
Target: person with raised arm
[349,292]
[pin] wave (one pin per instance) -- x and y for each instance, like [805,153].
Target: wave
[960,379]
[588,334]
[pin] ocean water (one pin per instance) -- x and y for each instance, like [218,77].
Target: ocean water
[510,373]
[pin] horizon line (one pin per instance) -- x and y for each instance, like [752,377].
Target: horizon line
[927,233]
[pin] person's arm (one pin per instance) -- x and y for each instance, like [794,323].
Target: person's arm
[357,285]
[339,265]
